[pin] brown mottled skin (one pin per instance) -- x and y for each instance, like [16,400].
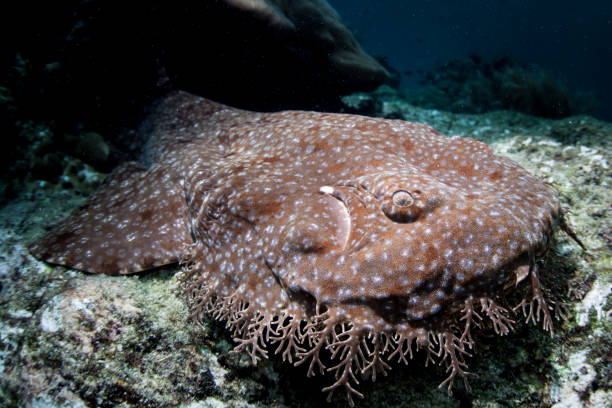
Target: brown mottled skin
[359,228]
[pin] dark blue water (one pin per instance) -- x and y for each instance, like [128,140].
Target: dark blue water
[572,39]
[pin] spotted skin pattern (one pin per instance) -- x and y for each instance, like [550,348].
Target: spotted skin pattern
[308,231]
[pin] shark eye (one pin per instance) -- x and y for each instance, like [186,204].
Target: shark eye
[402,198]
[408,206]
[401,207]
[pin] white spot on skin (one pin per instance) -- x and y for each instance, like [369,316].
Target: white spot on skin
[326,190]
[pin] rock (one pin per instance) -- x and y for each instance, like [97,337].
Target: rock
[91,148]
[296,54]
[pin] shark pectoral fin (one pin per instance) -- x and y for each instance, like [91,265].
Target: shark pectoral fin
[135,221]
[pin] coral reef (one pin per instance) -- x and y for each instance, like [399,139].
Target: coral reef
[475,85]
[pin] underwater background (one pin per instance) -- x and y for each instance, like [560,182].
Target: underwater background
[569,42]
[77,78]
